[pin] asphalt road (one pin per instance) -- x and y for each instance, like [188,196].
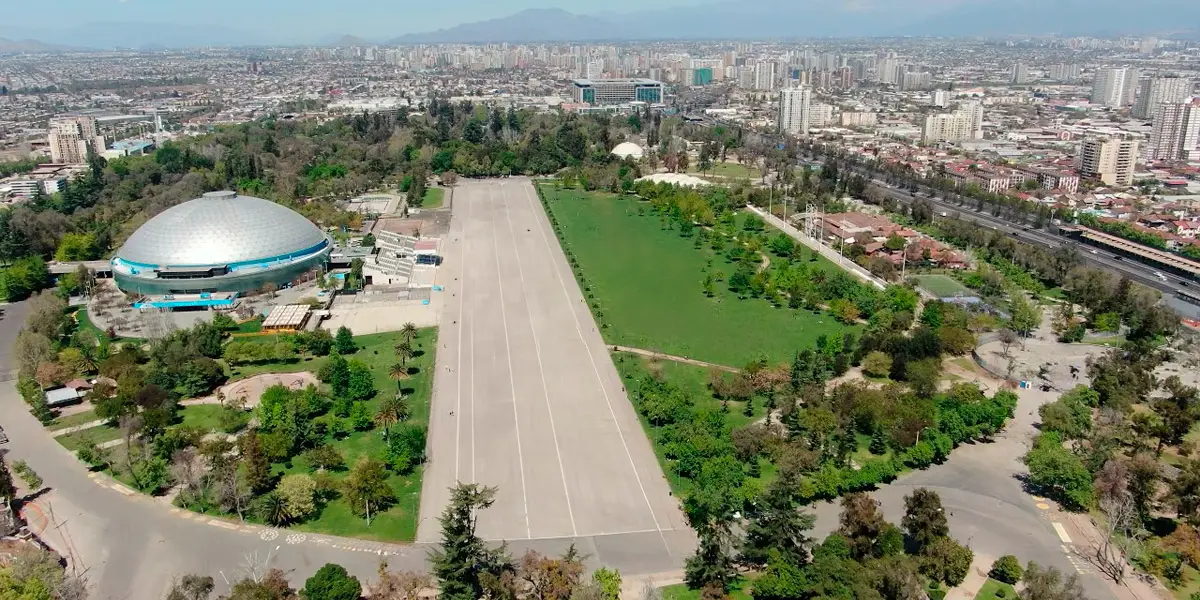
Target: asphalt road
[526,396]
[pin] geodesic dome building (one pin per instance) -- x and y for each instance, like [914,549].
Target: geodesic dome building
[221,242]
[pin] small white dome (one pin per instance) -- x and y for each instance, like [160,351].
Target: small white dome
[628,150]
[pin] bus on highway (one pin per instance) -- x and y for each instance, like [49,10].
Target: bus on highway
[1188,296]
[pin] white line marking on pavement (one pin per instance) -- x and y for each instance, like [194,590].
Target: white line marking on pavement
[537,348]
[462,295]
[1062,532]
[596,370]
[512,384]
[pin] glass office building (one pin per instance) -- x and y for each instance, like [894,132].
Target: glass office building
[617,91]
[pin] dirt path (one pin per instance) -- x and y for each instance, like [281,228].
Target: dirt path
[673,358]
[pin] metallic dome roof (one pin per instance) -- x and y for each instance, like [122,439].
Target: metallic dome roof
[220,228]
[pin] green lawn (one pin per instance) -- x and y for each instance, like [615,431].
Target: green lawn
[433,197]
[991,586]
[680,591]
[81,418]
[398,523]
[95,435]
[942,286]
[730,169]
[647,283]
[694,380]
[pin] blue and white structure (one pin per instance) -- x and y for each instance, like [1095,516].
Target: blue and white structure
[221,242]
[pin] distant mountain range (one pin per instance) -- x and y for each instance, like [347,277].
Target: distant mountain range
[8,46]
[781,19]
[724,19]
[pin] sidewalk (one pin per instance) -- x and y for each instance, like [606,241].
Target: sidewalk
[76,428]
[976,577]
[673,358]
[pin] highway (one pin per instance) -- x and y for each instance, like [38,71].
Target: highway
[1092,256]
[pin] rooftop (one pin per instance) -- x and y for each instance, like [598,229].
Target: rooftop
[625,80]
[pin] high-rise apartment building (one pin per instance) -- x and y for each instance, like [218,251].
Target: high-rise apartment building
[794,108]
[889,70]
[1115,87]
[764,76]
[1020,73]
[1064,72]
[1109,160]
[941,98]
[1176,133]
[966,123]
[1160,90]
[71,138]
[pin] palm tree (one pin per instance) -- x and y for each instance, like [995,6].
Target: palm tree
[398,373]
[409,331]
[404,351]
[393,410]
[273,509]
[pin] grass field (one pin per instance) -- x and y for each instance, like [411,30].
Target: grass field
[396,524]
[79,418]
[648,283]
[730,169]
[693,380]
[680,591]
[433,198]
[942,286]
[991,586]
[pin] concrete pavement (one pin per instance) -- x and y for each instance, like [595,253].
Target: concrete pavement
[526,397]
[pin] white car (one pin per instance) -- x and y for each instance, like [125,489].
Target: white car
[1160,276]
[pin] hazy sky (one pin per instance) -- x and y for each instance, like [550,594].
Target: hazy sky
[293,18]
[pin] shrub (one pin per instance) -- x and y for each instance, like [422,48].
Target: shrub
[877,364]
[1007,569]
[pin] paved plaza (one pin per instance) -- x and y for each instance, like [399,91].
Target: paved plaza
[526,397]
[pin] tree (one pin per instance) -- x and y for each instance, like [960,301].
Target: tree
[609,581]
[778,526]
[258,470]
[923,375]
[331,582]
[877,364]
[1007,569]
[409,332]
[1026,316]
[861,523]
[273,509]
[462,558]
[298,493]
[192,587]
[402,585]
[8,490]
[947,561]
[404,352]
[326,458]
[391,411]
[366,487]
[1059,473]
[924,518]
[343,341]
[1049,584]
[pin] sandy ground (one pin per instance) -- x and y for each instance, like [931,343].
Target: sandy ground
[526,397]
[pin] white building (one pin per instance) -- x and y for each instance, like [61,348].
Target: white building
[1115,87]
[764,76]
[794,109]
[941,98]
[1064,72]
[71,138]
[966,123]
[974,112]
[1160,90]
[819,115]
[858,119]
[1112,161]
[1176,133]
[1020,73]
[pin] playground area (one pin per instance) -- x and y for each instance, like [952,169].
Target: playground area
[246,392]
